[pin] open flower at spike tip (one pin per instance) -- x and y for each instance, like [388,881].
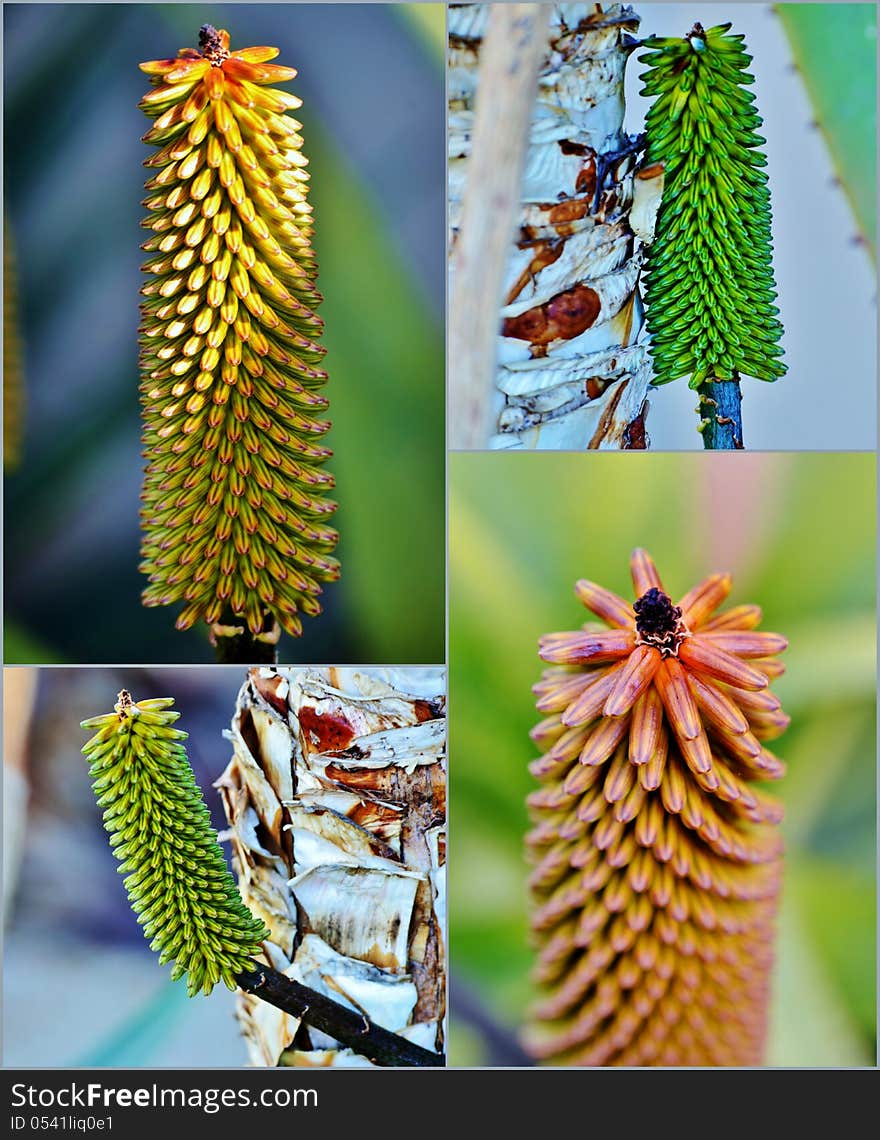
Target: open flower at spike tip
[234,496]
[657,857]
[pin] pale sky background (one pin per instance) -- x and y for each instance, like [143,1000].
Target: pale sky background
[827,284]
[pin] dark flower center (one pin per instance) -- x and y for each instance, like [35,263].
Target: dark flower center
[658,621]
[210,44]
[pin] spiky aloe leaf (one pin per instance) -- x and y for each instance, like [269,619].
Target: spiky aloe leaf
[234,494]
[710,286]
[177,880]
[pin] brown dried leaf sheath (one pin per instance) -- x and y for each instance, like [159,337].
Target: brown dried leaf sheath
[657,859]
[336,799]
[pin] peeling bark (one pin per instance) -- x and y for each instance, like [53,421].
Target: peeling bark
[569,371]
[336,799]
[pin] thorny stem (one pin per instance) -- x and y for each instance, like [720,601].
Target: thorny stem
[347,1026]
[720,414]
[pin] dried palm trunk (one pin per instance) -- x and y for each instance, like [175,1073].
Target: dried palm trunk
[335,797]
[658,859]
[569,372]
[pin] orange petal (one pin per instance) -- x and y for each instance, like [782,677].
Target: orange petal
[252,72]
[717,710]
[589,704]
[602,742]
[753,703]
[771,667]
[563,753]
[744,746]
[547,732]
[644,572]
[770,727]
[555,691]
[748,644]
[621,777]
[237,93]
[255,54]
[632,680]
[699,653]
[674,786]
[158,66]
[648,825]
[702,600]
[651,773]
[771,766]
[215,83]
[188,70]
[681,710]
[582,648]
[632,805]
[608,606]
[646,727]
[740,617]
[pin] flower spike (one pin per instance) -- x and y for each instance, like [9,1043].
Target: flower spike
[235,503]
[710,286]
[176,877]
[657,858]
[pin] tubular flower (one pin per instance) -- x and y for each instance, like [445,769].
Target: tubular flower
[710,286]
[234,510]
[657,860]
[177,880]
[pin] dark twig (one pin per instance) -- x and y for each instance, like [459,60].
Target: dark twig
[721,415]
[502,1047]
[234,644]
[345,1025]
[605,162]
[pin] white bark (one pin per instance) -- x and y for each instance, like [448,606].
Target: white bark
[336,801]
[569,372]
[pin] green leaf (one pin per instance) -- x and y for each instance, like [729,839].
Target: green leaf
[835,49]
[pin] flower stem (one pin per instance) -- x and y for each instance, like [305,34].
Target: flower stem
[348,1027]
[720,410]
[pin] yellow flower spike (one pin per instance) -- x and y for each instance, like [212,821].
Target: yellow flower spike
[229,353]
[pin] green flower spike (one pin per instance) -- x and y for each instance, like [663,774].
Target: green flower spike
[235,508]
[710,286]
[177,880]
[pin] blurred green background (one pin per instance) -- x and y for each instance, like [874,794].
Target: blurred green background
[798,533]
[371,79]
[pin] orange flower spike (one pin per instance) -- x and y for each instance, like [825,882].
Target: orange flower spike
[658,863]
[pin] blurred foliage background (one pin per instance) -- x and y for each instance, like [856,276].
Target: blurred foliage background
[798,533]
[371,79]
[80,983]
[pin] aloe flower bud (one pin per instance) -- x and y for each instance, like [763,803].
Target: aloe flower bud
[710,285]
[177,880]
[235,508]
[658,859]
